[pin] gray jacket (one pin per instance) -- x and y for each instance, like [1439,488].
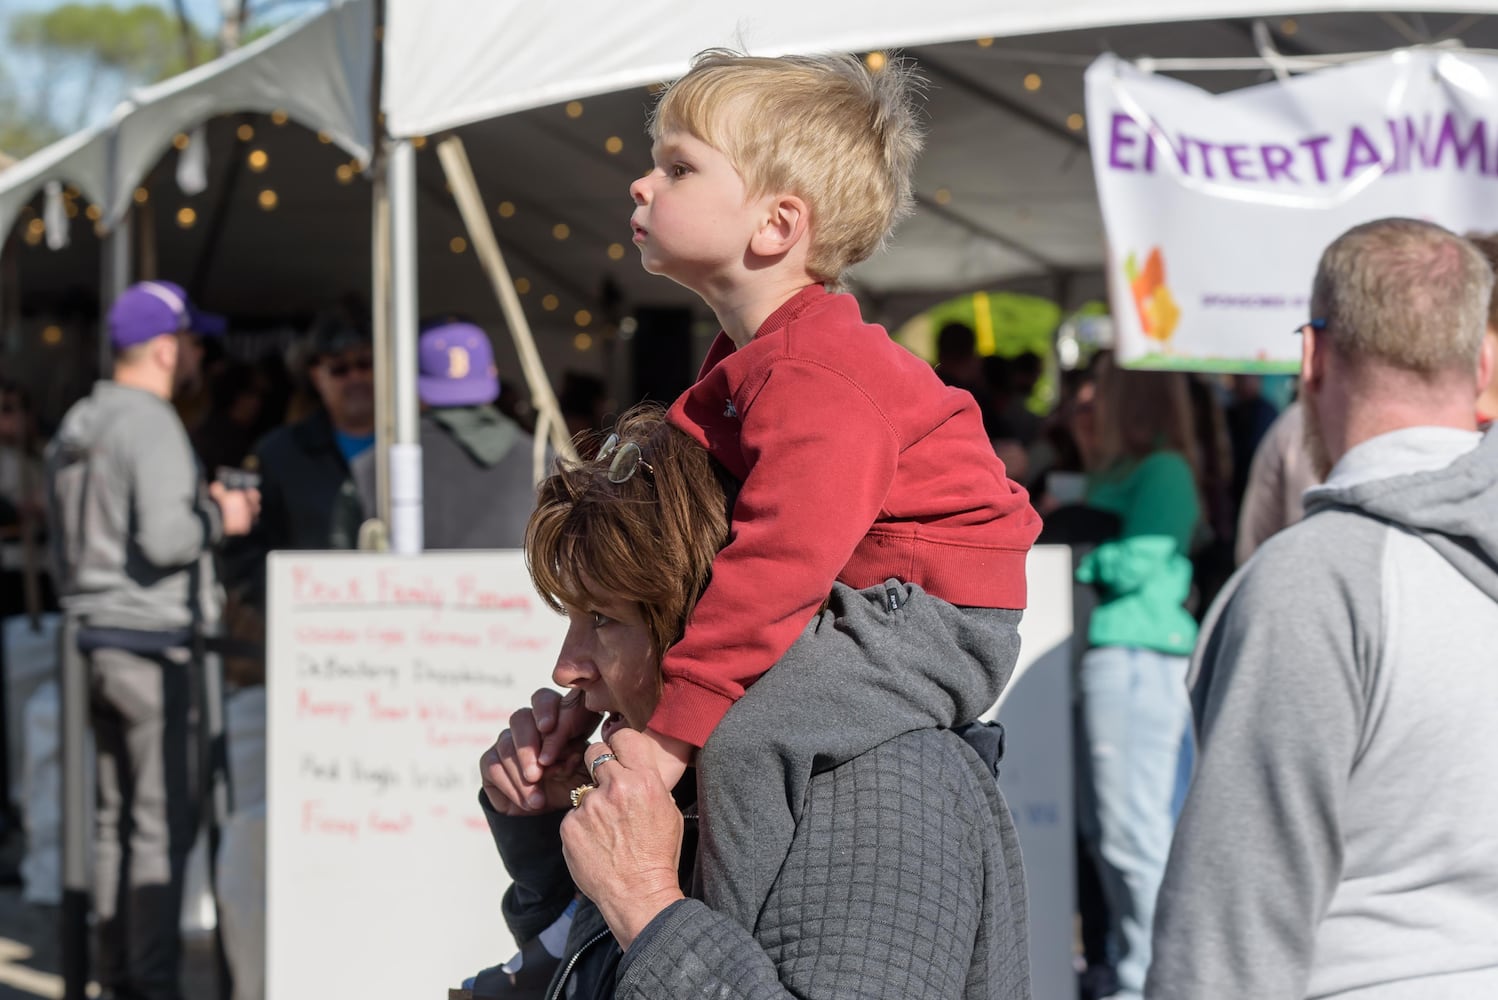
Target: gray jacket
[1340,838]
[133,526]
[851,845]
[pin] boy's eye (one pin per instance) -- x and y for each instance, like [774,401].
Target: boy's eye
[680,170]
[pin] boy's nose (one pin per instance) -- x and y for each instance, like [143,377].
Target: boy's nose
[637,189]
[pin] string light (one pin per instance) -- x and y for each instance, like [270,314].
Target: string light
[985,43]
[268,199]
[94,213]
[616,251]
[582,317]
[345,173]
[279,117]
[1075,121]
[186,217]
[506,209]
[419,142]
[1032,81]
[561,231]
[457,244]
[943,195]
[181,140]
[32,239]
[582,342]
[574,109]
[875,61]
[52,335]
[258,160]
[1289,26]
[246,132]
[550,303]
[36,227]
[613,144]
[324,138]
[141,196]
[522,285]
[71,208]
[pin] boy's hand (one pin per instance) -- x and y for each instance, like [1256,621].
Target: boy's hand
[515,780]
[672,756]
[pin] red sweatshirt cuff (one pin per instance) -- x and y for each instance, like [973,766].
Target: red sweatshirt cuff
[688,711]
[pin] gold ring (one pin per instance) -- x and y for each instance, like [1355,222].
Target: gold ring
[579,792]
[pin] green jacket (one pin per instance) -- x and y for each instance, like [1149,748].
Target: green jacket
[1144,575]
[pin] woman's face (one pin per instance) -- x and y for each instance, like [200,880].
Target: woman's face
[607,655]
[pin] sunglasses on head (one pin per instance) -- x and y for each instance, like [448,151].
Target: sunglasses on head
[627,459]
[341,368]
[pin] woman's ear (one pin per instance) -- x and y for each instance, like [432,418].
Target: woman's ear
[784,225]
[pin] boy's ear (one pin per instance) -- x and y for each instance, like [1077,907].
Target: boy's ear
[784,224]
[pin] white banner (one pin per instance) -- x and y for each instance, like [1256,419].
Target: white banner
[1217,207]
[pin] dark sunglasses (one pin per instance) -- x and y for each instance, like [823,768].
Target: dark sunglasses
[340,369]
[627,459]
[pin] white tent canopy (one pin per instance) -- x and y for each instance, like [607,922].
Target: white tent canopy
[452,62]
[318,69]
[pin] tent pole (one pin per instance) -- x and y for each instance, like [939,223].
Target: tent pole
[380,283]
[471,204]
[405,451]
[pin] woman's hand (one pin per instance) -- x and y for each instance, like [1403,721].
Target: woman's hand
[623,841]
[514,779]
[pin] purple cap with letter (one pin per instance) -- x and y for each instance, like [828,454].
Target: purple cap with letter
[149,309]
[456,366]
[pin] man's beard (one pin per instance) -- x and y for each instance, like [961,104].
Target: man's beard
[1314,440]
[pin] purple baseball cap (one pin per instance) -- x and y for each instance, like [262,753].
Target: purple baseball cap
[456,366]
[150,308]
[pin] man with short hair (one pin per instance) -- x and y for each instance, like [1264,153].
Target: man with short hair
[134,531]
[1487,403]
[1340,838]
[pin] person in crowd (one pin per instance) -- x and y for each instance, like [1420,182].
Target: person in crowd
[1340,837]
[134,529]
[957,360]
[856,463]
[1249,417]
[1487,403]
[477,465]
[1133,712]
[1280,474]
[1212,551]
[22,490]
[309,497]
[928,897]
[227,433]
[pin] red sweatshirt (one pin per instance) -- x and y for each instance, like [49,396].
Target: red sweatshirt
[857,464]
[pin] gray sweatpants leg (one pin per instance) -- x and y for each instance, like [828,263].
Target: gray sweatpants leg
[147,817]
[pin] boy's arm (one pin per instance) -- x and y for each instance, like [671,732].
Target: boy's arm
[821,458]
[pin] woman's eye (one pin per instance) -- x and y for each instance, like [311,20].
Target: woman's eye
[599,620]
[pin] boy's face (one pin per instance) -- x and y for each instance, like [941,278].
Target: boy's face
[692,220]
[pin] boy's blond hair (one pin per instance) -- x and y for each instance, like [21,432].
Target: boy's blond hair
[824,128]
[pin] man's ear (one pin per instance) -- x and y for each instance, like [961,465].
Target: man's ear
[1312,357]
[1487,358]
[783,226]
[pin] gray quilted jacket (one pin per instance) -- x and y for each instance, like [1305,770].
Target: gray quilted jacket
[851,845]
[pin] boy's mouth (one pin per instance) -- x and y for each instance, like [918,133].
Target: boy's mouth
[639,232]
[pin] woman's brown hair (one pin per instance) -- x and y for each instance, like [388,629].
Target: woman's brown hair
[650,539]
[1141,412]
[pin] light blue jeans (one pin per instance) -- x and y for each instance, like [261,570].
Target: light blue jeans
[1132,731]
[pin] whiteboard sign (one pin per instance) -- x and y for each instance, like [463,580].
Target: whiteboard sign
[387,678]
[1036,775]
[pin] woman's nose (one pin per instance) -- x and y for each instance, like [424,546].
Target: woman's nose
[574,664]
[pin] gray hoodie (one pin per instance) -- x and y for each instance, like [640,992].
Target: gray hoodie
[1341,834]
[134,527]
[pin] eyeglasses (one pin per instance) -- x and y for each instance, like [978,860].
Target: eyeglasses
[1316,324]
[340,369]
[627,459]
